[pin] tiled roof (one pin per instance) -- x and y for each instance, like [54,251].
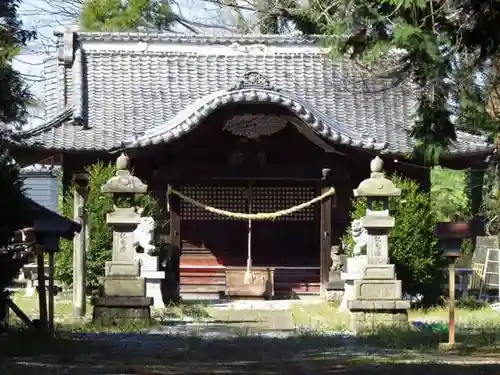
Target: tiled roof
[106,90]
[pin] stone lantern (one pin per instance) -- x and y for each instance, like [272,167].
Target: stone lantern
[377,294]
[123,293]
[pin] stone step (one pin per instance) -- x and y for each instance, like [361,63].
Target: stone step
[201,289]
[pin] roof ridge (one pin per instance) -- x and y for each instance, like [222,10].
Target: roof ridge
[57,120]
[291,39]
[472,138]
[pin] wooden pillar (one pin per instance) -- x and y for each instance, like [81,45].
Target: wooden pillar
[80,241]
[161,238]
[42,295]
[325,232]
[51,290]
[50,246]
[172,287]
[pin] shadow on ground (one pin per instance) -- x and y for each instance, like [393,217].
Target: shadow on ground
[146,354]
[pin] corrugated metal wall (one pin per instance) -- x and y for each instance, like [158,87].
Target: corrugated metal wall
[42,186]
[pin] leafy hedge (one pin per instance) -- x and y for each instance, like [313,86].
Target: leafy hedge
[100,234]
[413,248]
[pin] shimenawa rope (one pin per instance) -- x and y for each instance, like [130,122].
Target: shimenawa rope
[256,216]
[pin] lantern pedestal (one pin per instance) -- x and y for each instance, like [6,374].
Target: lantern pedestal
[377,299]
[121,310]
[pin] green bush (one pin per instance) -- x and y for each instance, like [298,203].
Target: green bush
[413,248]
[100,234]
[471,303]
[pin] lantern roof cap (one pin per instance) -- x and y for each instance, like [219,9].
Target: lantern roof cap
[377,186]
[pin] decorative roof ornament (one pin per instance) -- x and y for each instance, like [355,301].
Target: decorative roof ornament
[253,126]
[377,165]
[66,43]
[249,48]
[122,162]
[254,79]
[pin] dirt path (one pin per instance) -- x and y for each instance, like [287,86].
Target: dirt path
[230,343]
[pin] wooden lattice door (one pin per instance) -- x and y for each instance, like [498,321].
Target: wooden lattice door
[291,240]
[215,237]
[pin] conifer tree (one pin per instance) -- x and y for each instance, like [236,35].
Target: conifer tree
[118,15]
[14,96]
[448,49]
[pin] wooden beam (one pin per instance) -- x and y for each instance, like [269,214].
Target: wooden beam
[24,318]
[42,295]
[186,173]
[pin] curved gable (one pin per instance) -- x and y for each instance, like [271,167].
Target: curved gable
[253,88]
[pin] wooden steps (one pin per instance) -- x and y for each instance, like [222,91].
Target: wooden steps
[206,281]
[296,281]
[201,280]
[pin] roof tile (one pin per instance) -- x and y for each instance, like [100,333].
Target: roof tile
[127,90]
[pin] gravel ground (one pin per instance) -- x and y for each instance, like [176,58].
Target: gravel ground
[215,348]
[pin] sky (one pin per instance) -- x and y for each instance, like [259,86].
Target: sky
[30,61]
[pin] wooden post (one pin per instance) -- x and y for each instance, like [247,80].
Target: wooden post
[325,233]
[79,245]
[451,303]
[50,321]
[173,203]
[42,296]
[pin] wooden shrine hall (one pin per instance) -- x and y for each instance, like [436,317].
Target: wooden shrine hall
[244,124]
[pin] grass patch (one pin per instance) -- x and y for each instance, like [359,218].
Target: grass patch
[66,322]
[478,330]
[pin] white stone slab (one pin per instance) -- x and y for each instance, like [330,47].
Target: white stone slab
[153,289]
[354,267]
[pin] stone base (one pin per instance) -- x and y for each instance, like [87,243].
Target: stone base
[335,285]
[347,296]
[124,286]
[121,310]
[367,320]
[153,290]
[366,315]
